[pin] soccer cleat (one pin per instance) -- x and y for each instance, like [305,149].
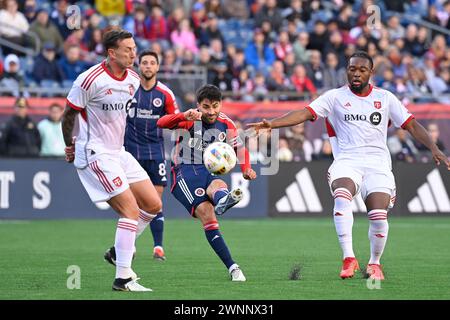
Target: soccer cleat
[158,254]
[110,256]
[349,266]
[230,200]
[129,285]
[237,275]
[374,272]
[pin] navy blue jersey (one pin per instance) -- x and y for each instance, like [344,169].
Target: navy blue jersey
[143,139]
[197,135]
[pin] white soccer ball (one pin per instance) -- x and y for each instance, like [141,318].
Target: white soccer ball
[219,158]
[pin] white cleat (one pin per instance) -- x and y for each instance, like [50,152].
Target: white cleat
[237,275]
[129,285]
[227,202]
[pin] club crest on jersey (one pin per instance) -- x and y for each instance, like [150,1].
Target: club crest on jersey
[377,104]
[117,182]
[375,118]
[199,192]
[157,102]
[222,136]
[131,89]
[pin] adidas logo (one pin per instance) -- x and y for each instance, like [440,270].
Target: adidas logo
[301,196]
[431,196]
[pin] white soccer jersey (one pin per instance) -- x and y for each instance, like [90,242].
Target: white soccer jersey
[360,123]
[103,100]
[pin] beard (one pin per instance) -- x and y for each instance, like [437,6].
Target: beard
[148,78]
[358,88]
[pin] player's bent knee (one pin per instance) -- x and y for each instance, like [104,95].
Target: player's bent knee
[154,207]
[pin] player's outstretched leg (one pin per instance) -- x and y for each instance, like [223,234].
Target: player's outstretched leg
[378,233]
[343,221]
[205,213]
[222,198]
[157,228]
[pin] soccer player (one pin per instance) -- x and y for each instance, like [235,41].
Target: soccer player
[357,115]
[144,140]
[205,195]
[97,106]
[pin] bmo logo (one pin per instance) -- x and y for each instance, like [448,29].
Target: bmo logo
[355,117]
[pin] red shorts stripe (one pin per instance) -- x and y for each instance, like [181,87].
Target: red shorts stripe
[90,75]
[103,175]
[100,178]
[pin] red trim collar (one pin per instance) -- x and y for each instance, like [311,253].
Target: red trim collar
[362,95]
[113,76]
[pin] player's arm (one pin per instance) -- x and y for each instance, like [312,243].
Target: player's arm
[68,122]
[173,121]
[420,134]
[289,119]
[241,152]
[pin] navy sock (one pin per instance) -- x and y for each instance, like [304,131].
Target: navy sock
[157,227]
[216,241]
[219,194]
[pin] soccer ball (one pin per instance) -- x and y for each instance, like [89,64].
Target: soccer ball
[219,158]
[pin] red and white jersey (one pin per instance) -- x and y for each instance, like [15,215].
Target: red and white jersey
[360,123]
[103,100]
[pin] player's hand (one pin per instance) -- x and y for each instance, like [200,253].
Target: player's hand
[70,151]
[439,156]
[263,125]
[249,174]
[192,115]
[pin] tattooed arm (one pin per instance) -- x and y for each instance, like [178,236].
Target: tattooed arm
[68,122]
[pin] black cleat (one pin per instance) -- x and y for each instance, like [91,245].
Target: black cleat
[110,256]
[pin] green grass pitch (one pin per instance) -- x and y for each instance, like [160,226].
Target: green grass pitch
[35,256]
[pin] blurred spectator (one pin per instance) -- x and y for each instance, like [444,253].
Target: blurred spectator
[243,86]
[258,54]
[319,37]
[95,43]
[269,12]
[336,45]
[30,10]
[395,29]
[283,47]
[345,19]
[433,130]
[76,38]
[326,152]
[46,30]
[295,12]
[198,17]
[277,80]
[302,83]
[214,7]
[284,154]
[256,156]
[237,63]
[300,45]
[301,147]
[315,68]
[158,29]
[260,90]
[20,137]
[235,9]
[12,77]
[333,76]
[174,19]
[71,65]
[51,133]
[138,24]
[184,37]
[216,51]
[211,31]
[45,65]
[204,60]
[13,25]
[170,62]
[289,64]
[223,78]
[59,19]
[401,146]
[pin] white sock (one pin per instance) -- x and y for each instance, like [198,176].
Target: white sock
[343,220]
[144,219]
[124,244]
[378,233]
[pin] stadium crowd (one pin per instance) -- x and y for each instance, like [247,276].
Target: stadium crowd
[253,50]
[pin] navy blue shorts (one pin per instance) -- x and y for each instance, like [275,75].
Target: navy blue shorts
[156,170]
[189,184]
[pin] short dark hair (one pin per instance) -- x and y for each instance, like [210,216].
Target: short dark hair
[111,38]
[210,92]
[362,54]
[148,52]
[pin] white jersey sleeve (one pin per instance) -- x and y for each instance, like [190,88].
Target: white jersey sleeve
[78,97]
[398,113]
[323,105]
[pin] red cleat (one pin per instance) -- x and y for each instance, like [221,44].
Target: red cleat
[349,266]
[158,254]
[374,272]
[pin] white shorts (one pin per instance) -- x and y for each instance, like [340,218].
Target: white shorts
[367,179]
[108,175]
